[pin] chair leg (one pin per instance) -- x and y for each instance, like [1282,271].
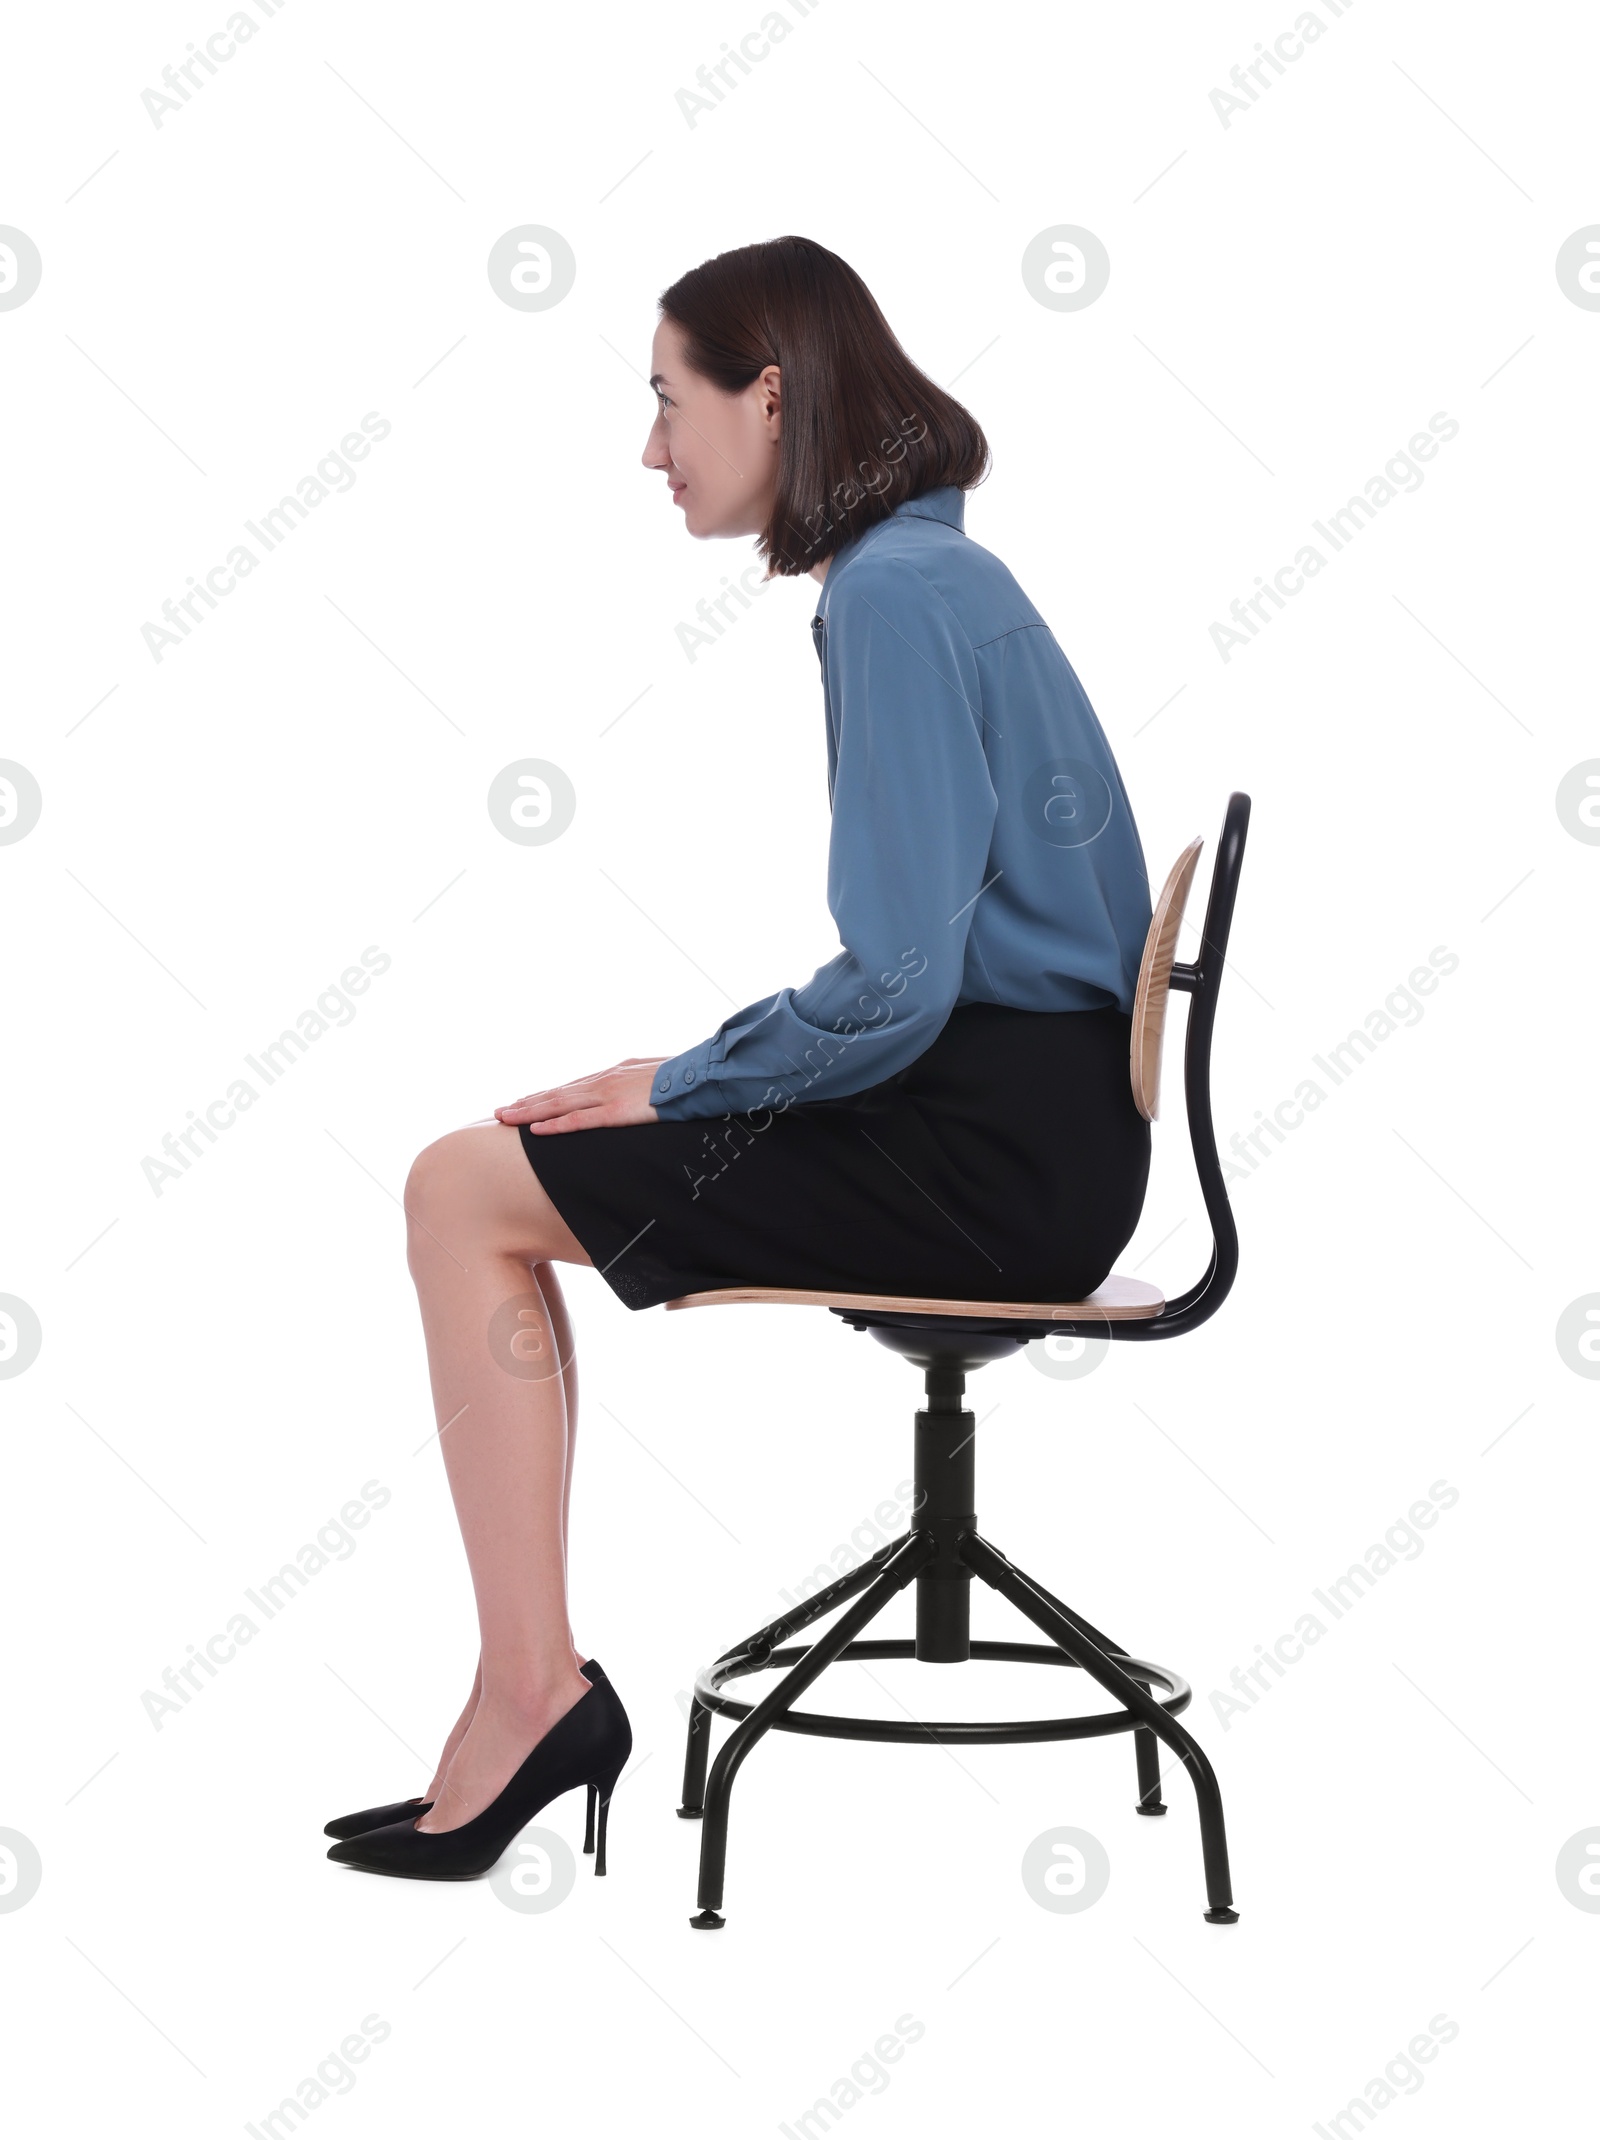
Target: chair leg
[903,1561]
[985,1561]
[695,1755]
[765,1640]
[1146,1753]
[1146,1750]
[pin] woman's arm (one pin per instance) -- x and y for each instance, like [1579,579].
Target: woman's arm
[913,810]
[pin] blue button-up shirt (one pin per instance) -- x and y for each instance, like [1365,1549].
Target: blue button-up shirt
[982,848]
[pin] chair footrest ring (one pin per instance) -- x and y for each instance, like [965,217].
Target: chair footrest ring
[1024,1731]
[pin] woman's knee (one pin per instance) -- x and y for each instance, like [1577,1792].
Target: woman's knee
[475,1184]
[446,1186]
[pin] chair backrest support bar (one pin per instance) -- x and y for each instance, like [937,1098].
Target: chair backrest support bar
[1201,980]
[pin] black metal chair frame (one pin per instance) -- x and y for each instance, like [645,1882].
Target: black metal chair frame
[946,1550]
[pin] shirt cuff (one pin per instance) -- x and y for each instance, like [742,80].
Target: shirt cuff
[683,1085]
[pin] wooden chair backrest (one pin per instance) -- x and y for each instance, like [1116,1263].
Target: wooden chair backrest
[1155,982]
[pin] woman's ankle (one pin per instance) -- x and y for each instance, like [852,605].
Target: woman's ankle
[533,1693]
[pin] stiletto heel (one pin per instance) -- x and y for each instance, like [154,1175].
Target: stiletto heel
[588,1824]
[588,1745]
[349,1824]
[603,1793]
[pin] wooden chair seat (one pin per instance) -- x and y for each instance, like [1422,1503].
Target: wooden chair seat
[1119,1300]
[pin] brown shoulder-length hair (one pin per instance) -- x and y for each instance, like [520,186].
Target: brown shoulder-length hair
[863,428]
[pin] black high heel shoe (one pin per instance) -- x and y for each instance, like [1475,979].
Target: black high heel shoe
[589,1745]
[349,1824]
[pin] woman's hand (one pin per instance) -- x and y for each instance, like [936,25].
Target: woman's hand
[604,1100]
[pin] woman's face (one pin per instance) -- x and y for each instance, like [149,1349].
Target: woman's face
[719,451]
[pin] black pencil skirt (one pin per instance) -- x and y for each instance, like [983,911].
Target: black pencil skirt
[1008,1162]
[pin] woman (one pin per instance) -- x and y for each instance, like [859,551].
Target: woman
[942,1110]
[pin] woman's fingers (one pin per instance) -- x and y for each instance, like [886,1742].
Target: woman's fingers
[582,1118]
[618,1096]
[535,1106]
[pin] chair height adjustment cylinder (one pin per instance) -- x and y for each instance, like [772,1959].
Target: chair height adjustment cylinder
[945,1489]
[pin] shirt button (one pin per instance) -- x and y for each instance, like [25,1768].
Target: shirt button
[688,1077]
[665,1085]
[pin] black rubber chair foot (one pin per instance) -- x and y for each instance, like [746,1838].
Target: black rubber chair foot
[708,1921]
[691,1812]
[1149,1809]
[1222,1917]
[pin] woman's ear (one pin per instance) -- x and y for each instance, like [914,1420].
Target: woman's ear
[771,385]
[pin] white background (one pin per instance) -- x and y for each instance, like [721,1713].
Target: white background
[1292,296]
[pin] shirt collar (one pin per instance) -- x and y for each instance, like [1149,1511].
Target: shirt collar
[948,503]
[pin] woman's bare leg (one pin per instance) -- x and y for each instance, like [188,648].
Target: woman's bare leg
[556,1307]
[479,1224]
[567,1353]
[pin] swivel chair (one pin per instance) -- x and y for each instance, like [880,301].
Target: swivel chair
[948,1339]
